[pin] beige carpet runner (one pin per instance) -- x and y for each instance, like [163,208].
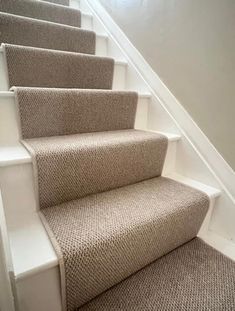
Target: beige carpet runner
[28,66]
[32,32]
[102,199]
[104,238]
[62,2]
[77,111]
[43,11]
[194,277]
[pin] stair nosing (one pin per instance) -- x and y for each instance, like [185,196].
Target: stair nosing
[26,158]
[116,61]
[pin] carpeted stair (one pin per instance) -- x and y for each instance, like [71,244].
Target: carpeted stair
[102,199]
[32,32]
[28,66]
[62,2]
[194,277]
[104,238]
[42,11]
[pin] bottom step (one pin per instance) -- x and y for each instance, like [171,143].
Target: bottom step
[192,277]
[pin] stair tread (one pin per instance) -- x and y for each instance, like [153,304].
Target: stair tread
[31,247]
[192,277]
[73,70]
[16,153]
[116,233]
[46,11]
[30,244]
[32,32]
[60,2]
[72,166]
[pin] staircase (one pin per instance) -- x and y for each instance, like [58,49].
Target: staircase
[97,215]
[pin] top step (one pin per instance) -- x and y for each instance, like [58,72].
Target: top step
[43,10]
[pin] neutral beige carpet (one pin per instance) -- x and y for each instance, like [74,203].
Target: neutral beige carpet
[72,166]
[194,277]
[106,237]
[98,186]
[51,112]
[42,10]
[61,2]
[32,32]
[35,67]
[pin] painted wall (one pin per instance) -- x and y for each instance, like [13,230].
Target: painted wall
[191,45]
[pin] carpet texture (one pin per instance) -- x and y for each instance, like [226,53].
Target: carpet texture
[42,10]
[35,67]
[77,111]
[27,31]
[106,237]
[98,183]
[70,167]
[61,2]
[194,277]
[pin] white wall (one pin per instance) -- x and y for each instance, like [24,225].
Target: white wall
[191,45]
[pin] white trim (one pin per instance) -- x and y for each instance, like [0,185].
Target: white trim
[212,192]
[87,15]
[170,136]
[220,169]
[6,294]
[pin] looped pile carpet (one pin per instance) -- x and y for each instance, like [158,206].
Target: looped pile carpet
[100,193]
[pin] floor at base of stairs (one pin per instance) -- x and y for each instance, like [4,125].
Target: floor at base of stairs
[192,277]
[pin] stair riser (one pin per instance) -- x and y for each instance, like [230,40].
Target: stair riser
[75,4]
[118,80]
[18,179]
[101,50]
[9,123]
[87,22]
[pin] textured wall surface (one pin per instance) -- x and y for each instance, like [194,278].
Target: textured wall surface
[191,46]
